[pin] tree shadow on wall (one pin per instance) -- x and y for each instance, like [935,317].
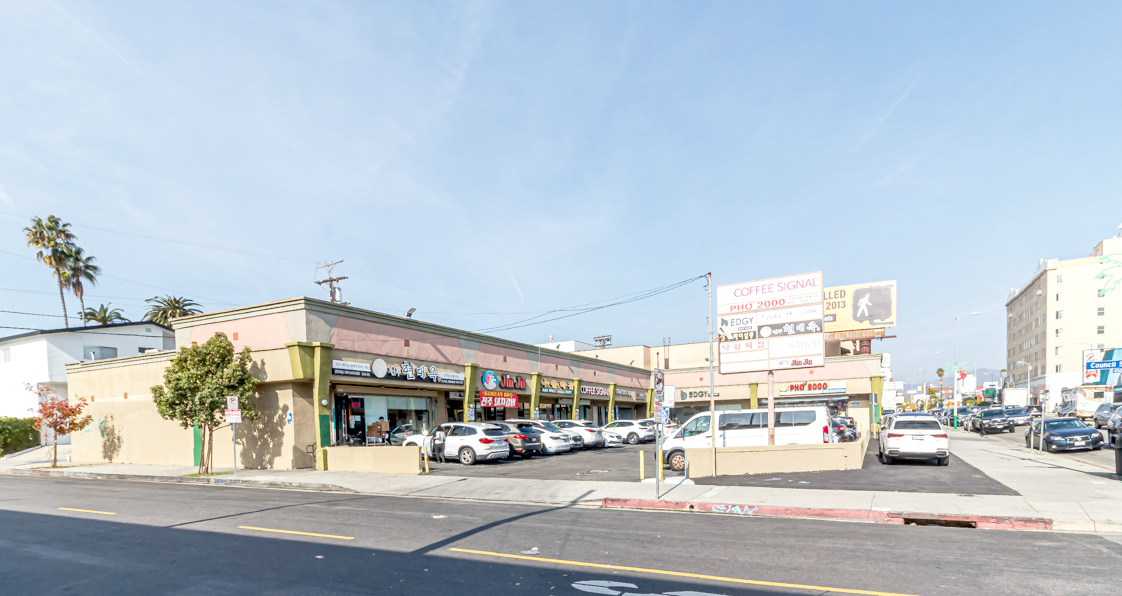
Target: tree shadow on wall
[264,439]
[257,370]
[111,440]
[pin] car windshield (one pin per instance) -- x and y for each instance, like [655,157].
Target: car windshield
[1064,424]
[589,425]
[993,413]
[550,426]
[1014,411]
[916,424]
[505,428]
[566,424]
[493,432]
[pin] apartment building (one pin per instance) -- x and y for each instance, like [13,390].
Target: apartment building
[1066,307]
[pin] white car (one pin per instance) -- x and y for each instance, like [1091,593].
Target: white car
[592,437]
[612,440]
[631,431]
[667,429]
[794,425]
[914,437]
[468,442]
[554,440]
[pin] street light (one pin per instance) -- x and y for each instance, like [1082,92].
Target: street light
[1028,392]
[954,387]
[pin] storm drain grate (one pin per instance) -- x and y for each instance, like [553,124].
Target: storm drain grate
[946,523]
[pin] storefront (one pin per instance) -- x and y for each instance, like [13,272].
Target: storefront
[555,399]
[594,403]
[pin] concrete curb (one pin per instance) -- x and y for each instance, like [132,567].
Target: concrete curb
[985,522]
[217,481]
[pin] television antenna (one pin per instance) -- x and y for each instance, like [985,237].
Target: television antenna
[603,341]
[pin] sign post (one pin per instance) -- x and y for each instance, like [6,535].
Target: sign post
[660,415]
[772,324]
[233,417]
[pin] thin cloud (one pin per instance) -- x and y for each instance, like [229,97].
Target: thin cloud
[516,288]
[5,199]
[885,116]
[91,34]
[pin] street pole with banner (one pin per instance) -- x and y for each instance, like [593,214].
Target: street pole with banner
[660,414]
[233,417]
[713,426]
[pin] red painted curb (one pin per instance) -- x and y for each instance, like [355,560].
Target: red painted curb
[858,515]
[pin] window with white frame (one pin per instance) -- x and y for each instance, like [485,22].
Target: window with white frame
[1059,350]
[1059,333]
[1102,330]
[1059,279]
[1059,297]
[1059,368]
[1102,311]
[1059,315]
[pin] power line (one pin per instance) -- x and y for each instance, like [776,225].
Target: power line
[580,311]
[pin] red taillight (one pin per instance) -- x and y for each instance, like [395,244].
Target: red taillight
[826,434]
[940,436]
[839,427]
[894,435]
[485,441]
[589,430]
[519,437]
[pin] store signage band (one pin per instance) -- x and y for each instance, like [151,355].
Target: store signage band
[810,388]
[406,371]
[587,390]
[497,399]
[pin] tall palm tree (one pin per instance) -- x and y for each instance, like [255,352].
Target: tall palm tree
[163,310]
[104,315]
[940,372]
[81,269]
[54,240]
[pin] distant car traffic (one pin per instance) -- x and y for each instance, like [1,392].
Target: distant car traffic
[1064,434]
[992,420]
[914,437]
[1101,417]
[1018,415]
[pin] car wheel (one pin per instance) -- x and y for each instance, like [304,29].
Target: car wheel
[944,461]
[1051,448]
[1013,429]
[467,456]
[510,451]
[886,459]
[982,431]
[527,455]
[677,461]
[632,439]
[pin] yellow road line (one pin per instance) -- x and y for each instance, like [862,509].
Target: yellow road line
[734,580]
[299,533]
[87,511]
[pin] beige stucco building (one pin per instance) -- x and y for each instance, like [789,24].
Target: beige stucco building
[1066,307]
[326,373]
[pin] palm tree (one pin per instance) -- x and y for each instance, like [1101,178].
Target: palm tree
[54,240]
[940,372]
[104,315]
[163,310]
[81,268]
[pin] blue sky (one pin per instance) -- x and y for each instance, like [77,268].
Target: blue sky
[471,160]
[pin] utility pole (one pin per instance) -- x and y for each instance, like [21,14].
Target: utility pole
[336,293]
[713,426]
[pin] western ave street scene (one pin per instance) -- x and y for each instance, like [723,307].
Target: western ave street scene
[623,298]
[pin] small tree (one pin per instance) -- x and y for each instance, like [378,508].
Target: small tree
[197,384]
[57,414]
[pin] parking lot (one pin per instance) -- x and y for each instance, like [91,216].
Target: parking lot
[612,463]
[1103,458]
[958,477]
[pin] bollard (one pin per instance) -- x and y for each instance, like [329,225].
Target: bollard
[426,462]
[659,465]
[642,469]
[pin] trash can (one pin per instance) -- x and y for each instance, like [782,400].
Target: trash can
[1114,441]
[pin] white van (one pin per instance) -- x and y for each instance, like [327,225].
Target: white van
[799,425]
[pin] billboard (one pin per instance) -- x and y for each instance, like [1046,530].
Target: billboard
[1102,367]
[860,306]
[771,324]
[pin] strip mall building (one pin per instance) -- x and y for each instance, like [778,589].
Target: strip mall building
[327,373]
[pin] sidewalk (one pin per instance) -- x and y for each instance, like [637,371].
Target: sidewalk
[1057,494]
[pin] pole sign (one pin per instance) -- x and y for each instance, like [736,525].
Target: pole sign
[772,324]
[659,384]
[233,416]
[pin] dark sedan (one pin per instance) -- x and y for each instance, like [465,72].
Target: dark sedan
[1018,414]
[1064,434]
[993,420]
[1101,417]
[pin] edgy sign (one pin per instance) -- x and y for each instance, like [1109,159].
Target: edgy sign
[772,324]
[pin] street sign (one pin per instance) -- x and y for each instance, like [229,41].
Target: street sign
[232,402]
[659,384]
[233,416]
[773,324]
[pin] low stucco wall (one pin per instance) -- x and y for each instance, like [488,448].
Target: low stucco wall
[777,459]
[381,459]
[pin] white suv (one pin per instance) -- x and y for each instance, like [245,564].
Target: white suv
[468,442]
[632,432]
[586,430]
[914,437]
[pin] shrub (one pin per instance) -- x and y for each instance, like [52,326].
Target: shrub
[17,434]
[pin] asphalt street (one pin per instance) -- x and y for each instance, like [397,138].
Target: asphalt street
[61,535]
[957,477]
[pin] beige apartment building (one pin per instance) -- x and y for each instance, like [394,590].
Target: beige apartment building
[1066,307]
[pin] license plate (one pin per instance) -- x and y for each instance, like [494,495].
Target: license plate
[917,437]
[1080,443]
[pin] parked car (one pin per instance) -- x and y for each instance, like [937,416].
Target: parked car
[992,420]
[805,425]
[399,434]
[1115,421]
[611,439]
[915,437]
[1018,415]
[633,432]
[1064,434]
[1101,417]
[525,442]
[844,429]
[468,442]
[593,437]
[554,440]
[667,429]
[1032,410]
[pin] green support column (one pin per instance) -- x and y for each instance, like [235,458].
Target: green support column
[611,402]
[469,388]
[877,384]
[650,402]
[754,388]
[535,393]
[312,360]
[576,399]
